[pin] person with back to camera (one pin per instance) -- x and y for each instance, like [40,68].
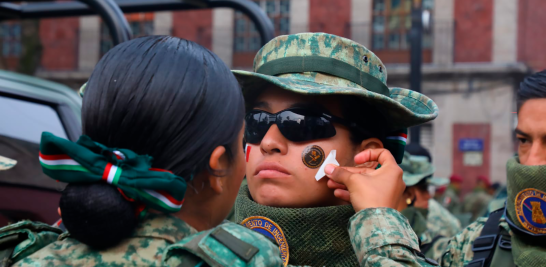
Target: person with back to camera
[161,158]
[158,169]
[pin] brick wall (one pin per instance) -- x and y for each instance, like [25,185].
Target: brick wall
[473,30]
[60,43]
[531,33]
[194,25]
[470,173]
[330,16]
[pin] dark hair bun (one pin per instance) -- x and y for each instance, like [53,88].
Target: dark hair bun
[97,214]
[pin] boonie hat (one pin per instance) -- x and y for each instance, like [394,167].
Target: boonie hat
[417,168]
[326,64]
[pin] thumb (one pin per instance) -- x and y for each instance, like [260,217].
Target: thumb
[338,174]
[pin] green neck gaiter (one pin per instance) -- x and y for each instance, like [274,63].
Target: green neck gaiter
[416,218]
[526,203]
[315,236]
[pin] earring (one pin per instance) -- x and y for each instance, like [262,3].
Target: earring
[408,201]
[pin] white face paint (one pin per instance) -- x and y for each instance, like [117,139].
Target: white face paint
[431,190]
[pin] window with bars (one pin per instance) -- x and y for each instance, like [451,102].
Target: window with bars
[142,25]
[11,39]
[247,38]
[392,24]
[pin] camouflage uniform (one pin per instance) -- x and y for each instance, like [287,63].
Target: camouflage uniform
[476,203]
[158,240]
[451,201]
[432,223]
[440,221]
[325,64]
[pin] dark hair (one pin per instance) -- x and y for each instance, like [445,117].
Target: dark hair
[161,96]
[532,87]
[417,150]
[367,116]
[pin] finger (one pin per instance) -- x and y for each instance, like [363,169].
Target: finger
[338,174]
[333,185]
[381,155]
[342,194]
[359,170]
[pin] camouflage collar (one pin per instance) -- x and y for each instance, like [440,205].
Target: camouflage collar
[163,226]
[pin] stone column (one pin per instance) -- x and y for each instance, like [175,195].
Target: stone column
[299,16]
[361,21]
[443,32]
[163,23]
[222,34]
[505,26]
[89,43]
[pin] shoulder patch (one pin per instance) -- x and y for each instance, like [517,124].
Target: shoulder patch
[270,229]
[530,204]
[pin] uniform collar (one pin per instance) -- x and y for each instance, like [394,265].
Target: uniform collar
[164,226]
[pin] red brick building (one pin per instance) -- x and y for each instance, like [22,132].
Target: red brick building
[475,53]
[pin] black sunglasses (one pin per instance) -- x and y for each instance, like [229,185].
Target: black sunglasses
[295,124]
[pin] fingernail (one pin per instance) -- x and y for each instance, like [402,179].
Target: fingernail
[329,169]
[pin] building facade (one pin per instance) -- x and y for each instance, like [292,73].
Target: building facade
[475,53]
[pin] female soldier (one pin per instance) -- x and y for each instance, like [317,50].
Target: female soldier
[159,98]
[312,95]
[414,205]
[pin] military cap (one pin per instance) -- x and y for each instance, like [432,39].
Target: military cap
[6,163]
[417,168]
[326,64]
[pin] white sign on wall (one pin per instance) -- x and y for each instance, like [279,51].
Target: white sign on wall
[473,158]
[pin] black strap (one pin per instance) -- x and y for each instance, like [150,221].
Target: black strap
[485,244]
[426,247]
[7,245]
[326,65]
[193,261]
[242,249]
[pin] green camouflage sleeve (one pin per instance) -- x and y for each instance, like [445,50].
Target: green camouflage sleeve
[459,251]
[438,248]
[383,237]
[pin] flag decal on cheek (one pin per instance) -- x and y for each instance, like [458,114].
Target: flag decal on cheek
[247,150]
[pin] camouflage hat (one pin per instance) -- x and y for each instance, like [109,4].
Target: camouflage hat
[6,164]
[416,168]
[325,64]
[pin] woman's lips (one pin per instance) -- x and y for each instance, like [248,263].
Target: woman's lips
[271,170]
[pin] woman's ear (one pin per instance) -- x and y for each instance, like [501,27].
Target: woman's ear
[409,193]
[369,144]
[218,162]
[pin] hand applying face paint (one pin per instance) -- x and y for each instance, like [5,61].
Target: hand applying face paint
[365,187]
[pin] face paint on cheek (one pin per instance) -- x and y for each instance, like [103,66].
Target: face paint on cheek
[247,151]
[312,156]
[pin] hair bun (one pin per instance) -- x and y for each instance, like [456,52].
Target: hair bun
[97,214]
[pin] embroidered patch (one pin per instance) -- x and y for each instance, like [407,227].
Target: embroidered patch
[530,204]
[270,229]
[312,156]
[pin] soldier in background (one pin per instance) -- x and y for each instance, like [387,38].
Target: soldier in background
[515,234]
[477,201]
[450,197]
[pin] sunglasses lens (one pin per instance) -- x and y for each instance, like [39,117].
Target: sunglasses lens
[257,125]
[304,127]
